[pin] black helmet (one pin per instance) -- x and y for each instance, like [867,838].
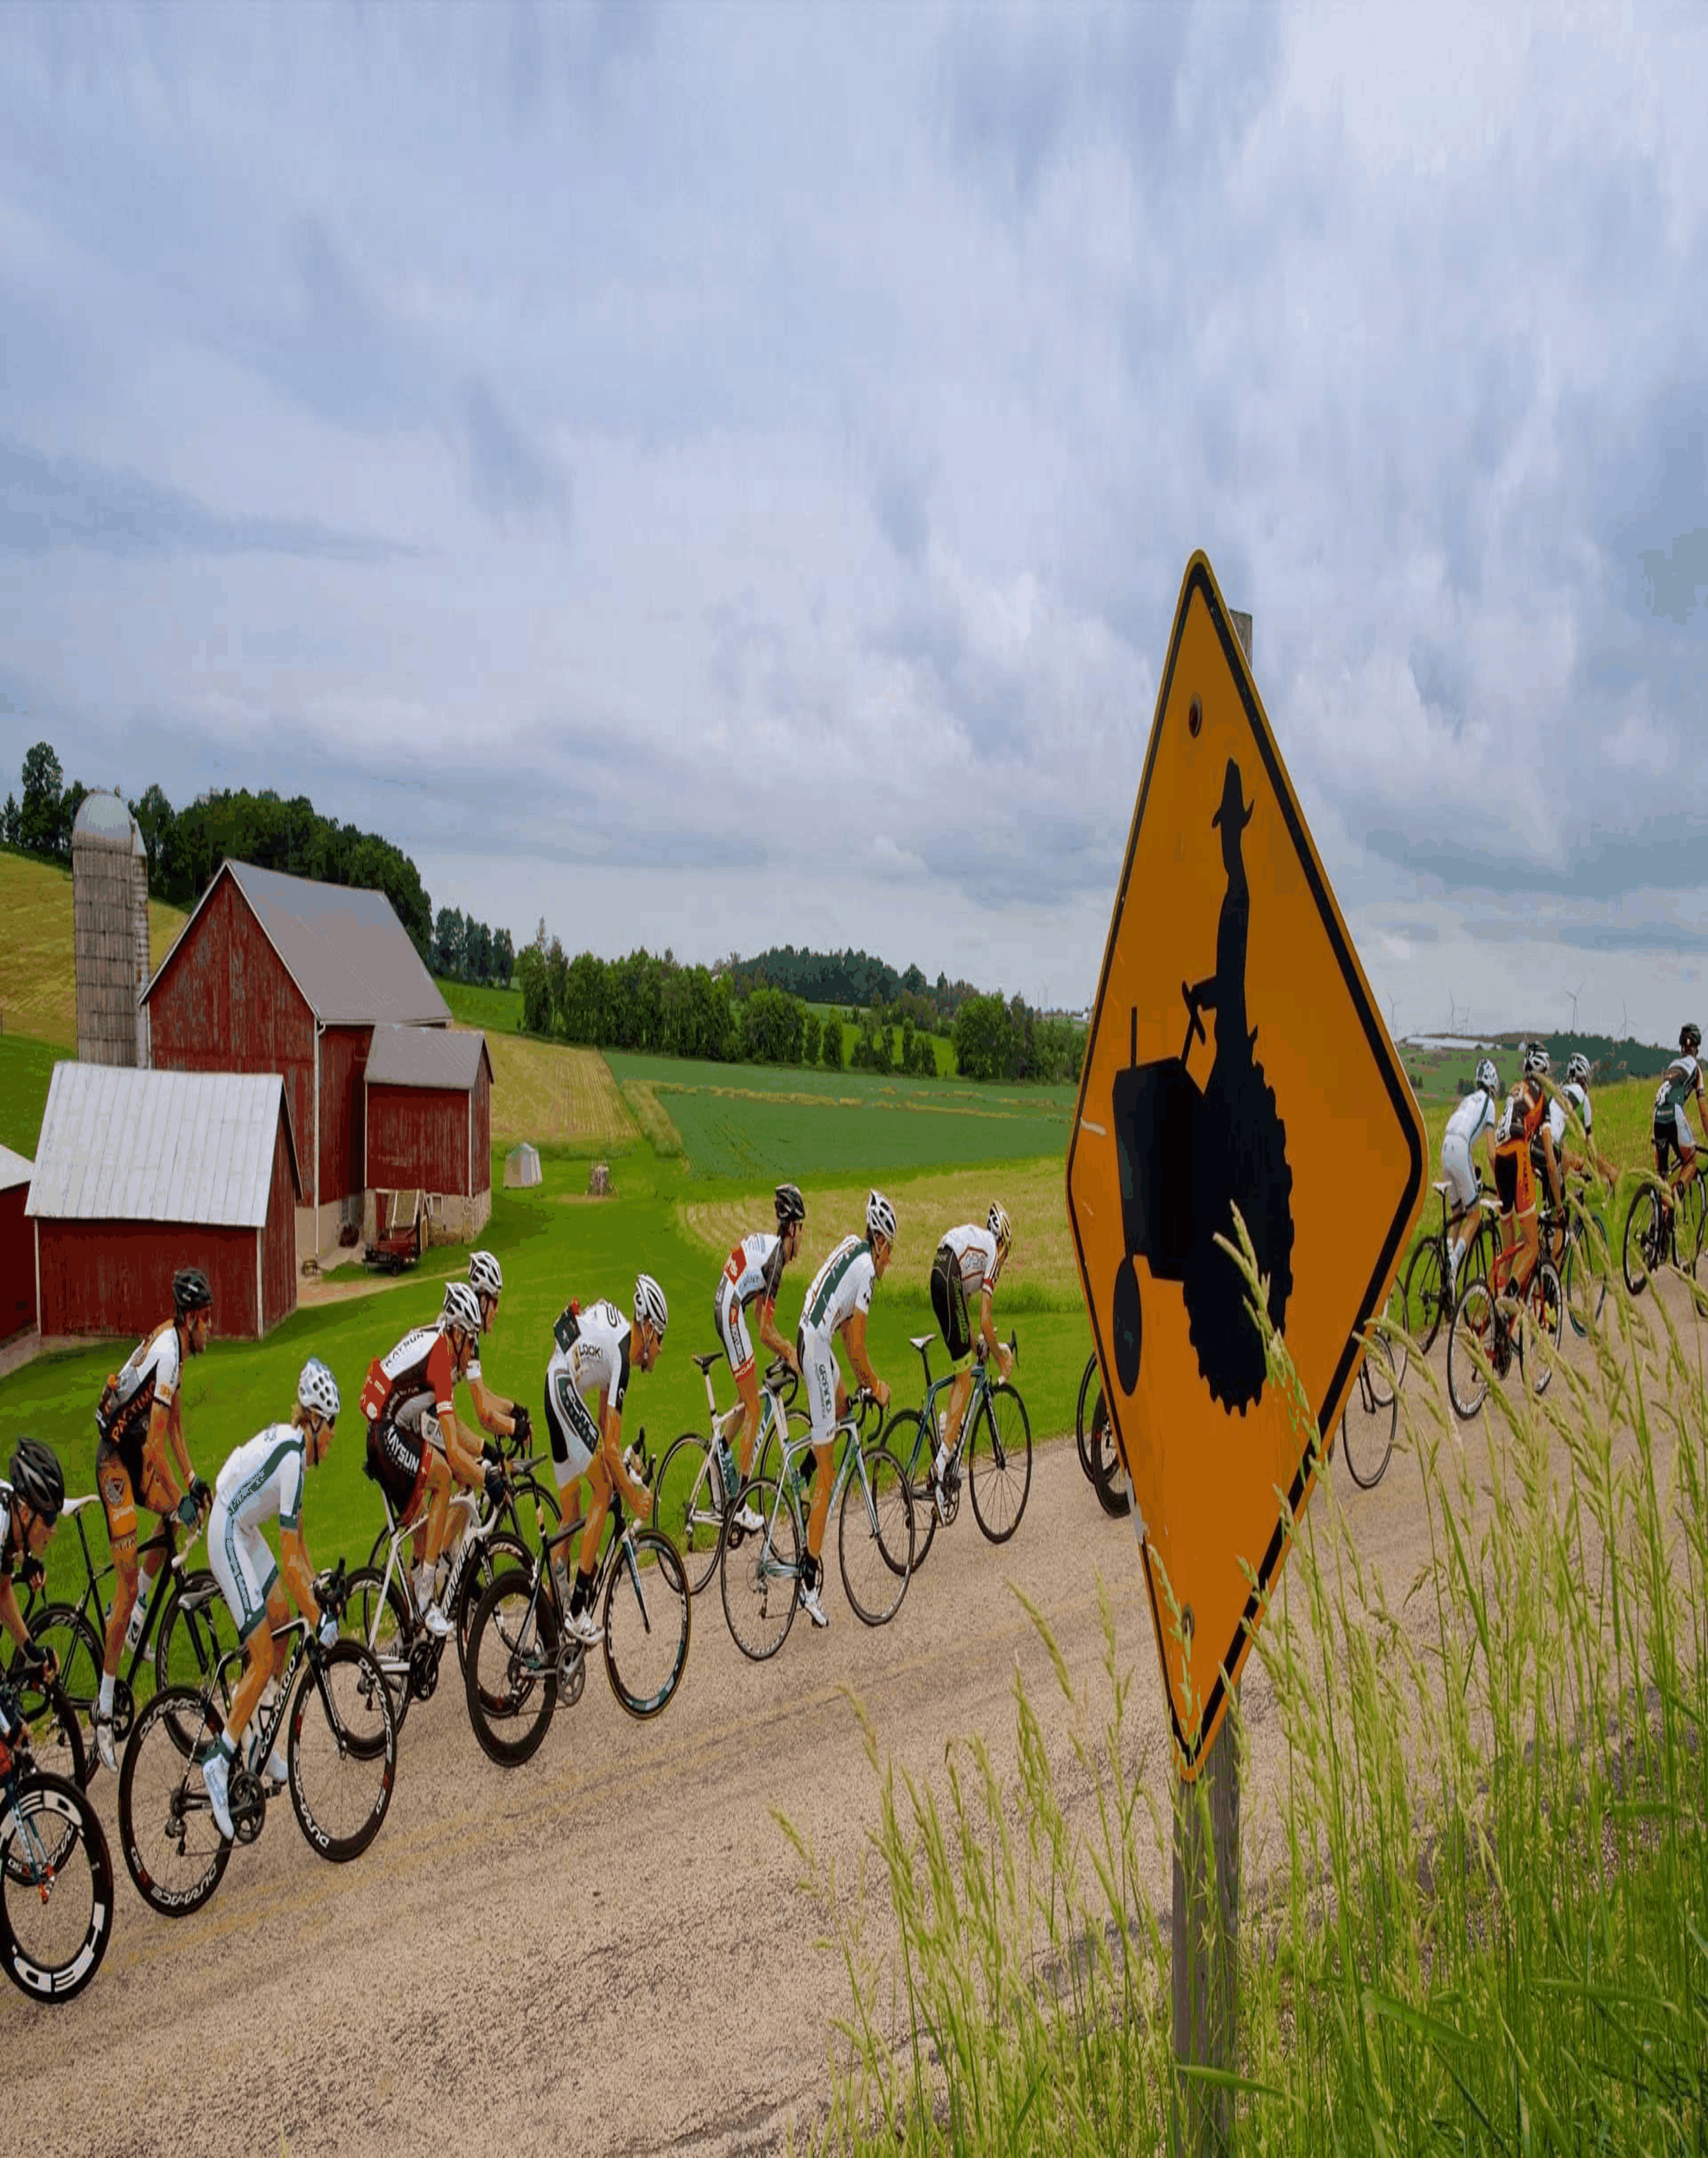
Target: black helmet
[190,1291]
[790,1204]
[38,1479]
[1690,1037]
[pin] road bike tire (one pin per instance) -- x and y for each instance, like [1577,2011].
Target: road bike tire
[341,1749]
[56,1889]
[1644,1249]
[649,1621]
[1081,1420]
[875,1537]
[1585,1275]
[173,1848]
[1368,1423]
[904,1436]
[55,1737]
[1109,1479]
[1544,1315]
[768,1462]
[999,1488]
[511,1680]
[688,1506]
[1425,1295]
[192,1646]
[65,1629]
[759,1580]
[382,1617]
[499,1554]
[1471,1334]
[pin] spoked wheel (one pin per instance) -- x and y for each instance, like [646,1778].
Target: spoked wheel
[172,1849]
[875,1537]
[687,1505]
[500,1553]
[1472,1336]
[1543,1323]
[999,1463]
[77,1652]
[648,1616]
[341,1751]
[905,1436]
[1585,1275]
[380,1616]
[760,1579]
[198,1635]
[56,1889]
[1368,1423]
[511,1679]
[1425,1296]
[1647,1244]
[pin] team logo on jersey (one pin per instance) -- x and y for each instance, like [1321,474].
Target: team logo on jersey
[114,1490]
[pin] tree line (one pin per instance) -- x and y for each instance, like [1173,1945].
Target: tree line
[855,980]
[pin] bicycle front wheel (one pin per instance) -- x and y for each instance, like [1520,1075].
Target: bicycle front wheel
[173,1849]
[197,1635]
[875,1537]
[1425,1295]
[56,1889]
[341,1751]
[1367,1426]
[57,1727]
[648,1618]
[1645,1240]
[500,1553]
[905,1436]
[999,1463]
[688,1506]
[1108,1473]
[380,1615]
[1583,1279]
[511,1679]
[1544,1323]
[1470,1337]
[1082,1415]
[760,1580]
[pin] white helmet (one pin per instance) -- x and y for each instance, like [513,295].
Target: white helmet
[1577,1071]
[317,1390]
[485,1277]
[881,1217]
[462,1307]
[650,1307]
[1000,1227]
[1537,1060]
[1488,1077]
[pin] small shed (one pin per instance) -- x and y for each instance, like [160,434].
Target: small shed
[428,1121]
[139,1173]
[521,1164]
[17,1246]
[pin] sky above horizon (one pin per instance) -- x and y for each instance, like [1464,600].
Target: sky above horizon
[720,476]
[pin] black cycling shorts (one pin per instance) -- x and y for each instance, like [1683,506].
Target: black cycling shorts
[949,1302]
[397,1461]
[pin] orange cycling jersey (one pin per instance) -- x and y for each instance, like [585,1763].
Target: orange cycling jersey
[1526,1107]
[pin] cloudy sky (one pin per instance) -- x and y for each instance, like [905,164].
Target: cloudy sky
[711,475]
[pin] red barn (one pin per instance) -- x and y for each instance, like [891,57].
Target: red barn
[279,974]
[428,1117]
[17,1246]
[139,1173]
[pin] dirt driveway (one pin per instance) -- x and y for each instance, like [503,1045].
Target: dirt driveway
[603,1950]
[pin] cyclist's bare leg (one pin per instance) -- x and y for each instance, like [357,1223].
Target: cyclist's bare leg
[960,1393]
[820,1510]
[437,1479]
[747,1385]
[264,1657]
[598,1506]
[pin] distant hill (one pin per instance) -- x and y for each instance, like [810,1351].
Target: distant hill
[37,960]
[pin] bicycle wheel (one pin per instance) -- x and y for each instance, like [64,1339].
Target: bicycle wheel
[1544,1322]
[688,1506]
[1082,1418]
[1645,1242]
[1108,1473]
[1583,1278]
[1471,1334]
[999,1463]
[173,1849]
[759,1581]
[197,1635]
[1693,1226]
[77,1648]
[648,1618]
[341,1751]
[1425,1295]
[499,1554]
[1368,1423]
[768,1462]
[56,1889]
[904,1436]
[381,1617]
[875,1537]
[511,1679]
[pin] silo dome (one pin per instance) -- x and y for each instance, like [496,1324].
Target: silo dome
[103,820]
[110,911]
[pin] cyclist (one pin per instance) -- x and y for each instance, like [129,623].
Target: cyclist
[30,1501]
[1672,1125]
[505,1419]
[1571,1102]
[837,1303]
[753,1273]
[263,1478]
[414,1443]
[1523,1119]
[1475,1118]
[596,1349]
[969,1262]
[140,1417]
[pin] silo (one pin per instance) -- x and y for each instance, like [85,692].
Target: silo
[104,913]
[139,936]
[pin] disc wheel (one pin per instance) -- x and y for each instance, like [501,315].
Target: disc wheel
[688,1505]
[648,1619]
[56,1889]
[510,1681]
[759,1581]
[341,1751]
[999,1463]
[172,1849]
[875,1537]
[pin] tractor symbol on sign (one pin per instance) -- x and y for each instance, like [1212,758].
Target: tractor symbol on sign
[1188,1156]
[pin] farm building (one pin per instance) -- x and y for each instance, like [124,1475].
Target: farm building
[17,1246]
[521,1165]
[428,1124]
[139,1173]
[279,974]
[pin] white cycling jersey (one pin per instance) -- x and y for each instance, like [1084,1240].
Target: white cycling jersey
[597,1358]
[1676,1087]
[1474,1115]
[263,1479]
[1559,1115]
[754,1268]
[841,1286]
[977,1255]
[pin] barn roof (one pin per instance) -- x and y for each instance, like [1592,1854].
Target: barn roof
[14,1170]
[425,1056]
[344,948]
[118,1145]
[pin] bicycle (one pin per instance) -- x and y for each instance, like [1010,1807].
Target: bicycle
[1577,1239]
[1426,1297]
[699,1474]
[1660,1232]
[55,1734]
[183,1619]
[1486,1337]
[1371,1415]
[382,1609]
[1099,1456]
[342,1765]
[759,1570]
[999,1480]
[56,1872]
[519,1658]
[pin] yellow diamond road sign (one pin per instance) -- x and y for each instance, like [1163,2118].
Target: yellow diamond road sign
[1236,1059]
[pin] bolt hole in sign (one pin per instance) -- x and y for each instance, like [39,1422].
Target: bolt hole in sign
[1236,1058]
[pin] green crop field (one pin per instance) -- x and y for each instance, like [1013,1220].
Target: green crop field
[26,1066]
[498,1011]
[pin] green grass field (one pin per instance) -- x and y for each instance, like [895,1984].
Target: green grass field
[26,1067]
[38,982]
[498,1011]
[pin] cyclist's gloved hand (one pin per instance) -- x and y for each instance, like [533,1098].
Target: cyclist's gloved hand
[523,1424]
[188,1510]
[34,1572]
[31,1662]
[489,1451]
[327,1630]
[495,1484]
[200,1492]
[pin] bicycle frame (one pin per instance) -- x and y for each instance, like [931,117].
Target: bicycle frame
[480,1528]
[976,1400]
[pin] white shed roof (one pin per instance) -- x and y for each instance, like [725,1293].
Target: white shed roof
[118,1145]
[14,1170]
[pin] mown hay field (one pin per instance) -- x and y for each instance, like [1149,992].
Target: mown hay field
[38,984]
[554,1096]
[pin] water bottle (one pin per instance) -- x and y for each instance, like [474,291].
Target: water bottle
[139,1612]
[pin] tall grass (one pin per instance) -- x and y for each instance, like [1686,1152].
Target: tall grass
[1484,1924]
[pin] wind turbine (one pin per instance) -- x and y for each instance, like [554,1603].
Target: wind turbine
[1575,994]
